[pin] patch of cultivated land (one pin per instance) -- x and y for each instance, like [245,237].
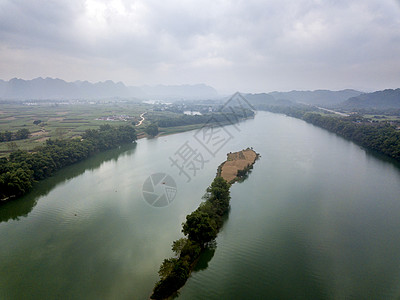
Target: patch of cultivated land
[237,161]
[60,121]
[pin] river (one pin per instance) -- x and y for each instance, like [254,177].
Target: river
[318,218]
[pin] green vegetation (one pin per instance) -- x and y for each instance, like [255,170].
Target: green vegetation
[243,173]
[201,228]
[152,129]
[178,129]
[8,136]
[381,137]
[386,100]
[64,120]
[170,119]
[21,169]
[70,119]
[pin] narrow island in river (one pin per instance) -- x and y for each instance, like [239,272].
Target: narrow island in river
[202,225]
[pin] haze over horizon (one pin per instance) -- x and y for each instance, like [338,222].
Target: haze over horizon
[251,46]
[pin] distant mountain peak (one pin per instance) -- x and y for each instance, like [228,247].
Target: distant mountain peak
[55,88]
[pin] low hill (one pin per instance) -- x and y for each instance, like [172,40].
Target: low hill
[318,97]
[262,99]
[379,100]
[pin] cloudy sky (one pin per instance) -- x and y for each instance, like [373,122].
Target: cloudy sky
[247,45]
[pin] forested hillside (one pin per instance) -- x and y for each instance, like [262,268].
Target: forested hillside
[379,100]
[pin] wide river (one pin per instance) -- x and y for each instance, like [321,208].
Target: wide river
[318,218]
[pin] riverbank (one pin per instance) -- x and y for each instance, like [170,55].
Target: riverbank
[164,131]
[272,238]
[22,169]
[42,165]
[202,225]
[382,137]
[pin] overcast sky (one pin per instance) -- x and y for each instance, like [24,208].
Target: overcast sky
[248,45]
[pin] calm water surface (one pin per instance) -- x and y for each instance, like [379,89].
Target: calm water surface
[318,218]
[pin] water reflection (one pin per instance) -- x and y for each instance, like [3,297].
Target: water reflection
[14,210]
[206,257]
[202,263]
[382,157]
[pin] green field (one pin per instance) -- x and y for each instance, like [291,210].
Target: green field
[62,120]
[382,117]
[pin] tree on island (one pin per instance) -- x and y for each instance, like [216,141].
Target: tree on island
[199,227]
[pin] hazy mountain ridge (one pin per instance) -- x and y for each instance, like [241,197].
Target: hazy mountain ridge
[58,89]
[258,100]
[317,97]
[385,99]
[54,88]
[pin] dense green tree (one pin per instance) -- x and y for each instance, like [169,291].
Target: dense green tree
[227,116]
[15,179]
[152,129]
[8,136]
[174,281]
[190,251]
[381,137]
[199,227]
[22,134]
[105,127]
[167,267]
[178,245]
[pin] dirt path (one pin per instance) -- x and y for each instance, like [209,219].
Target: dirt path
[142,119]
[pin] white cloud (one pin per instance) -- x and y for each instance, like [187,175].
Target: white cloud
[246,45]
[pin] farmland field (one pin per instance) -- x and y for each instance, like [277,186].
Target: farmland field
[63,120]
